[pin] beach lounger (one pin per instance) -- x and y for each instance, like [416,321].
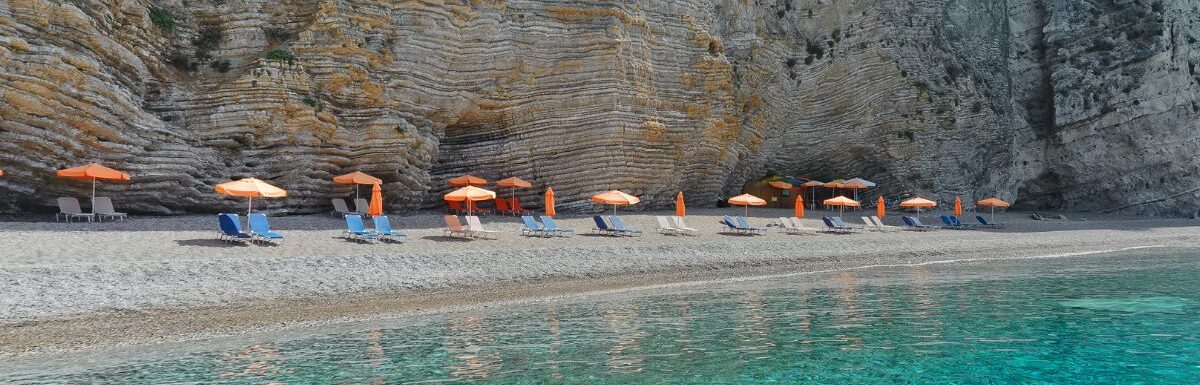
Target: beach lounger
[801,228]
[502,206]
[833,227]
[532,227]
[383,226]
[68,208]
[744,224]
[619,226]
[665,227]
[683,227]
[340,208]
[950,223]
[356,231]
[731,226]
[453,227]
[840,223]
[477,229]
[516,207]
[104,209]
[958,224]
[261,228]
[552,227]
[602,227]
[789,227]
[879,224]
[912,223]
[231,229]
[985,223]
[361,206]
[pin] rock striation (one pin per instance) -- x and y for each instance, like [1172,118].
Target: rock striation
[1088,105]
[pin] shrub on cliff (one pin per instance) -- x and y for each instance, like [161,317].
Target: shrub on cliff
[282,55]
[163,19]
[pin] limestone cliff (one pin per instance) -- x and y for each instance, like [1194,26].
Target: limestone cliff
[1055,103]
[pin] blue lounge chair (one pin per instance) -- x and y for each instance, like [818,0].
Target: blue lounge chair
[954,220]
[842,224]
[745,225]
[231,229]
[601,227]
[262,229]
[831,227]
[532,227]
[731,226]
[552,227]
[985,223]
[383,227]
[950,223]
[619,226]
[912,223]
[356,231]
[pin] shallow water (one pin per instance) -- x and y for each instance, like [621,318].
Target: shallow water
[1122,318]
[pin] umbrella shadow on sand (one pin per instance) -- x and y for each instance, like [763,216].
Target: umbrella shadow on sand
[443,238]
[208,242]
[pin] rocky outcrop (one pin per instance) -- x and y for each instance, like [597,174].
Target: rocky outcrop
[1054,103]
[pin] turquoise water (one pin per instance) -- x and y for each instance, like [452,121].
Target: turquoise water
[1129,318]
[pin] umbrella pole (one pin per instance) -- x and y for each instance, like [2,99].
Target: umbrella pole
[249,206]
[746,211]
[93,196]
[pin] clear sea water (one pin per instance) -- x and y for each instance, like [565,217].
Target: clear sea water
[1124,318]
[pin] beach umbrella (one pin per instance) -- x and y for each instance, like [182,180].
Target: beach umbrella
[918,203]
[549,202]
[863,181]
[993,203]
[357,178]
[250,188]
[468,180]
[615,198]
[799,210]
[93,172]
[375,209]
[881,208]
[1,172]
[680,208]
[780,185]
[470,194]
[855,185]
[842,202]
[957,206]
[513,183]
[812,185]
[747,200]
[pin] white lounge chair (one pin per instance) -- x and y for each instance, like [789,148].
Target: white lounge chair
[683,228]
[791,228]
[882,227]
[104,209]
[802,228]
[68,208]
[665,227]
[454,227]
[477,229]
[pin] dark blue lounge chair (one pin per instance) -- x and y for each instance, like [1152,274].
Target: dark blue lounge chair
[985,223]
[731,225]
[842,224]
[261,228]
[383,227]
[602,227]
[231,229]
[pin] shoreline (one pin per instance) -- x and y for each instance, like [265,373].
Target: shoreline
[438,276]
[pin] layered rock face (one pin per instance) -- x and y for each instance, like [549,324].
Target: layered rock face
[1054,103]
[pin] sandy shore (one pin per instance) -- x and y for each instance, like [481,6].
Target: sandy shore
[87,286]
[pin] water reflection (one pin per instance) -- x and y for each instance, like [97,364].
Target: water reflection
[467,341]
[754,327]
[621,319]
[253,361]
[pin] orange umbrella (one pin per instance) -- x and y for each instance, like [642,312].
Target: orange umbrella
[93,172]
[799,207]
[918,203]
[1,172]
[470,194]
[376,207]
[356,178]
[881,208]
[993,203]
[957,206]
[842,202]
[813,184]
[747,200]
[680,208]
[468,180]
[855,185]
[615,198]
[514,183]
[549,202]
[780,185]
[250,188]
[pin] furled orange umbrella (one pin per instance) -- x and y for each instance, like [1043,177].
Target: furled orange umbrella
[376,207]
[881,208]
[842,202]
[549,202]
[615,198]
[957,206]
[680,208]
[93,172]
[357,179]
[747,200]
[918,203]
[993,203]
[470,194]
[799,211]
[513,183]
[812,185]
[250,188]
[1,172]
[468,180]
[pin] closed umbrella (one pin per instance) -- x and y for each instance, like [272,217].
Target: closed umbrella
[993,203]
[549,202]
[93,172]
[747,200]
[470,194]
[357,178]
[918,203]
[250,188]
[799,211]
[957,206]
[680,209]
[615,198]
[841,202]
[881,208]
[376,207]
